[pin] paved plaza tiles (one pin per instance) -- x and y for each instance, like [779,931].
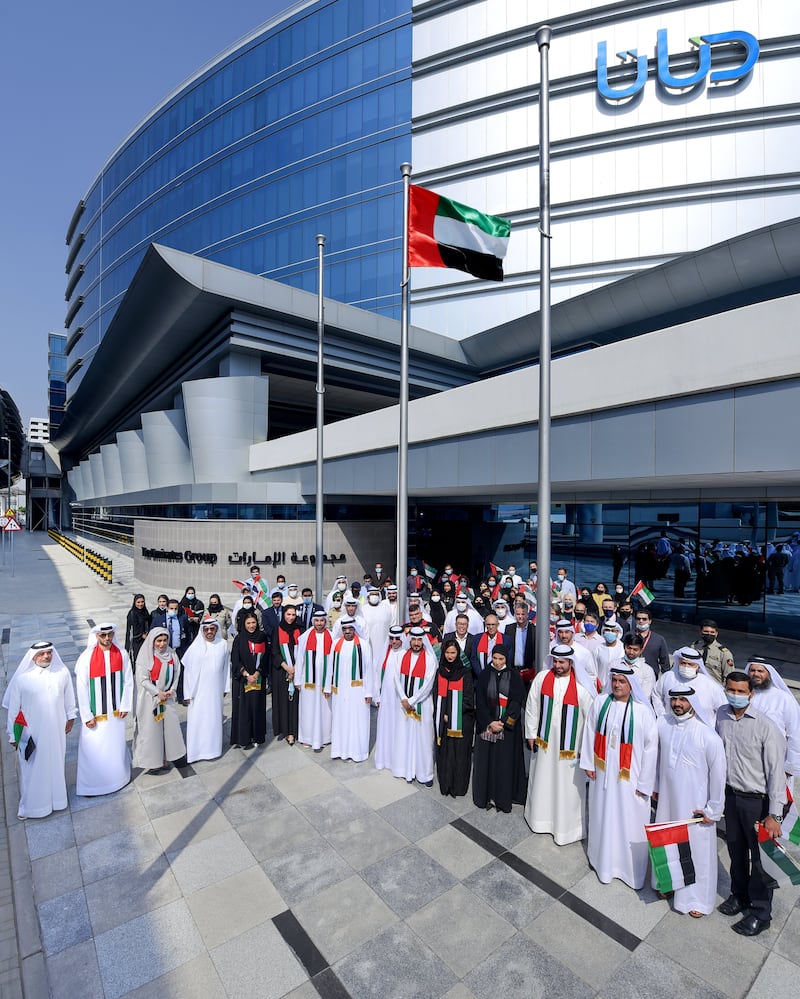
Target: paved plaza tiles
[279,872]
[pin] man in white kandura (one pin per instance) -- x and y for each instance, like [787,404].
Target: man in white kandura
[773,698]
[688,667]
[555,714]
[691,784]
[378,616]
[206,681]
[413,675]
[104,682]
[350,685]
[41,712]
[386,695]
[313,660]
[619,755]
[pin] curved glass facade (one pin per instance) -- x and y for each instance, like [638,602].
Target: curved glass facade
[300,129]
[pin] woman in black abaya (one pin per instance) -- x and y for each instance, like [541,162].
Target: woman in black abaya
[284,693]
[250,664]
[454,718]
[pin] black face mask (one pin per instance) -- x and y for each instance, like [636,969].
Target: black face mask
[580,615]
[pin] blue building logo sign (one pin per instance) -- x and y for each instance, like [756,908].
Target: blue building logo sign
[668,79]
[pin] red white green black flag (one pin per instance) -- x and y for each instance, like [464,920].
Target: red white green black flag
[445,233]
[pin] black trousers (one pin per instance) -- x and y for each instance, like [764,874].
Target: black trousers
[748,881]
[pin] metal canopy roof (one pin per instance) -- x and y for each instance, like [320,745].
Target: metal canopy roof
[750,268]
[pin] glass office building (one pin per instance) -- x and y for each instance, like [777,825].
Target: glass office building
[56,380]
[296,130]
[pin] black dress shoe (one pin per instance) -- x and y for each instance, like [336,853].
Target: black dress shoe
[751,926]
[731,906]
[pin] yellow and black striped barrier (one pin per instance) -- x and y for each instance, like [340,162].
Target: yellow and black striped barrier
[98,563]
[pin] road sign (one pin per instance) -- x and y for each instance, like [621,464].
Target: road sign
[3,521]
[12,525]
[9,512]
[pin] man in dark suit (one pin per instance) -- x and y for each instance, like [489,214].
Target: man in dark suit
[520,638]
[271,616]
[654,649]
[306,609]
[466,641]
[180,637]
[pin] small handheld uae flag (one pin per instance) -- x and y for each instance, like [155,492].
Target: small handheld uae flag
[775,860]
[430,572]
[644,595]
[670,855]
[445,233]
[23,737]
[791,821]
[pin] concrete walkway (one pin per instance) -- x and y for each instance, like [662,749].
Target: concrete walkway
[278,872]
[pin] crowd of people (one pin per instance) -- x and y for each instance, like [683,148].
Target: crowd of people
[736,573]
[613,732]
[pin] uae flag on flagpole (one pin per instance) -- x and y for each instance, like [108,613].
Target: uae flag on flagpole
[644,595]
[671,855]
[445,233]
[775,860]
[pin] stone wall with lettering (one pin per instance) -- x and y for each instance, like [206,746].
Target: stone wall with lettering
[210,554]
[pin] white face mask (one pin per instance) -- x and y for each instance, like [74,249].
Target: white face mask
[501,612]
[688,672]
[684,717]
[461,605]
[374,599]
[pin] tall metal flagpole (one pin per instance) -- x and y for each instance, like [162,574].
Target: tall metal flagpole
[543,36]
[320,389]
[402,441]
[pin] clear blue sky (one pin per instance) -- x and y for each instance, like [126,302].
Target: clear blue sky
[75,78]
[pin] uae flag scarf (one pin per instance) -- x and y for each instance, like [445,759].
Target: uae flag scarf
[570,716]
[413,678]
[626,744]
[482,648]
[450,702]
[314,645]
[288,643]
[356,664]
[104,697]
[169,678]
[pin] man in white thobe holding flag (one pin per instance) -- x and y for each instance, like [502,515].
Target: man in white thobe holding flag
[41,712]
[619,755]
[104,682]
[555,714]
[691,784]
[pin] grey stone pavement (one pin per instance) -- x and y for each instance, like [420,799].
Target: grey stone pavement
[278,872]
